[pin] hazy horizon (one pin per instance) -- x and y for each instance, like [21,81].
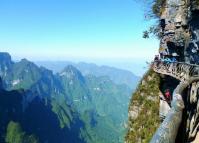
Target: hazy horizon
[136,67]
[107,32]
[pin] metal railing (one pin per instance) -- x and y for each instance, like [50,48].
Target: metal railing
[187,74]
[179,70]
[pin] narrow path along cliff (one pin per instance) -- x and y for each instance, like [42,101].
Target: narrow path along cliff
[177,72]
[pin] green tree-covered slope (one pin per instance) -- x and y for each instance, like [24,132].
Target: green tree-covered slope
[144,110]
[15,134]
[94,105]
[37,122]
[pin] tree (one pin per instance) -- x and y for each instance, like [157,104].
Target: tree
[153,11]
[15,134]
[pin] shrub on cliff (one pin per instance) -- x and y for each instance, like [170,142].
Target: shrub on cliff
[158,7]
[154,10]
[144,110]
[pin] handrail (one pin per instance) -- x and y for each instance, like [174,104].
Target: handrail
[178,70]
[168,130]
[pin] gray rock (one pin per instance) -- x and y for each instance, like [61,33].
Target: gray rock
[194,89]
[151,98]
[134,112]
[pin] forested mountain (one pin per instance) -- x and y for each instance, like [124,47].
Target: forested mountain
[64,107]
[38,121]
[118,76]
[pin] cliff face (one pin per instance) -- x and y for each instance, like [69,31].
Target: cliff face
[143,110]
[181,36]
[179,30]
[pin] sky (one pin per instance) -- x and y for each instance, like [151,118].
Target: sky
[106,32]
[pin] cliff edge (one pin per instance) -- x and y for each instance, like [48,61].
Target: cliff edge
[178,31]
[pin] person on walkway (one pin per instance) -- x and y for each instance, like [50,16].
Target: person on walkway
[168,96]
[167,132]
[167,60]
[163,52]
[174,57]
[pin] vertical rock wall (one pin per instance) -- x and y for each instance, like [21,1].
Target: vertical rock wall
[191,114]
[180,35]
[180,30]
[179,22]
[174,26]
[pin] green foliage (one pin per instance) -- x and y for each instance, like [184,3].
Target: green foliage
[146,34]
[154,31]
[63,113]
[15,134]
[94,108]
[27,72]
[101,103]
[104,131]
[158,7]
[153,8]
[143,127]
[110,100]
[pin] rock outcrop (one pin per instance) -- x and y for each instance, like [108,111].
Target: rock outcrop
[179,30]
[181,36]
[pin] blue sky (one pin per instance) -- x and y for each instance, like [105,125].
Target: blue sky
[100,31]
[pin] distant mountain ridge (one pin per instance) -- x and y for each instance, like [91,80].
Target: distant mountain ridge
[98,103]
[119,76]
